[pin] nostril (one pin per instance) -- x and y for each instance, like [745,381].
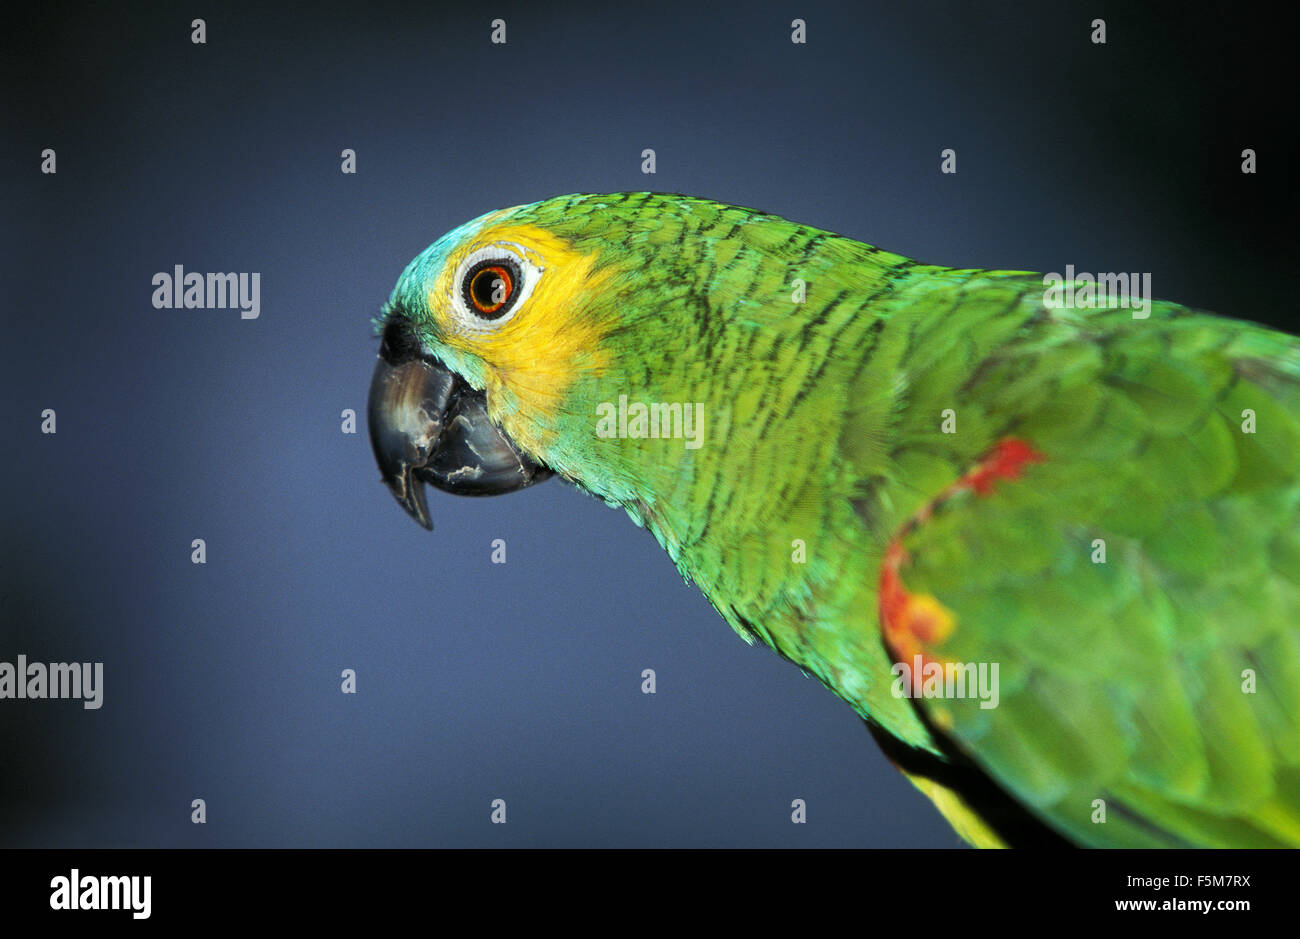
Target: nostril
[399,342]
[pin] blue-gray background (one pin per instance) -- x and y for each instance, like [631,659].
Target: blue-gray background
[478,681]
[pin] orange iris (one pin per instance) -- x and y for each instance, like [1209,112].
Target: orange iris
[490,288]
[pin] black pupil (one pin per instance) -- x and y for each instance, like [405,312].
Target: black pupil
[489,288]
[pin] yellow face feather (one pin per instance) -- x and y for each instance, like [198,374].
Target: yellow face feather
[532,359]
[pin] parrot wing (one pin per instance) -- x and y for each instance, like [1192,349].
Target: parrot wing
[1126,551]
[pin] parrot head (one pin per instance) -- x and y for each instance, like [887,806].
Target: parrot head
[428,403]
[488,328]
[502,338]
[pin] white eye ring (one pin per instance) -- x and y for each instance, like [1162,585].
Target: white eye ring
[530,271]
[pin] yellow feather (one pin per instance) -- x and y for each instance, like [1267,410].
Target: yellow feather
[534,357]
[960,815]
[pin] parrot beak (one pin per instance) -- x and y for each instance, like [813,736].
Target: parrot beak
[428,425]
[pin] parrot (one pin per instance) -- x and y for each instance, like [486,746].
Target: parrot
[1047,549]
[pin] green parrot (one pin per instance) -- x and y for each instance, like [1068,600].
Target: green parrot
[1046,545]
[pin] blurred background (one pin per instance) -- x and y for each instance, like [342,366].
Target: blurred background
[519,681]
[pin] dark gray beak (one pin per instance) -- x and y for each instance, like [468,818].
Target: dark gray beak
[427,425]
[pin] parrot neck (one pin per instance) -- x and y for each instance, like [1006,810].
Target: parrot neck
[767,477]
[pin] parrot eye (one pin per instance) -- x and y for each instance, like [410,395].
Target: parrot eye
[491,284]
[489,287]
